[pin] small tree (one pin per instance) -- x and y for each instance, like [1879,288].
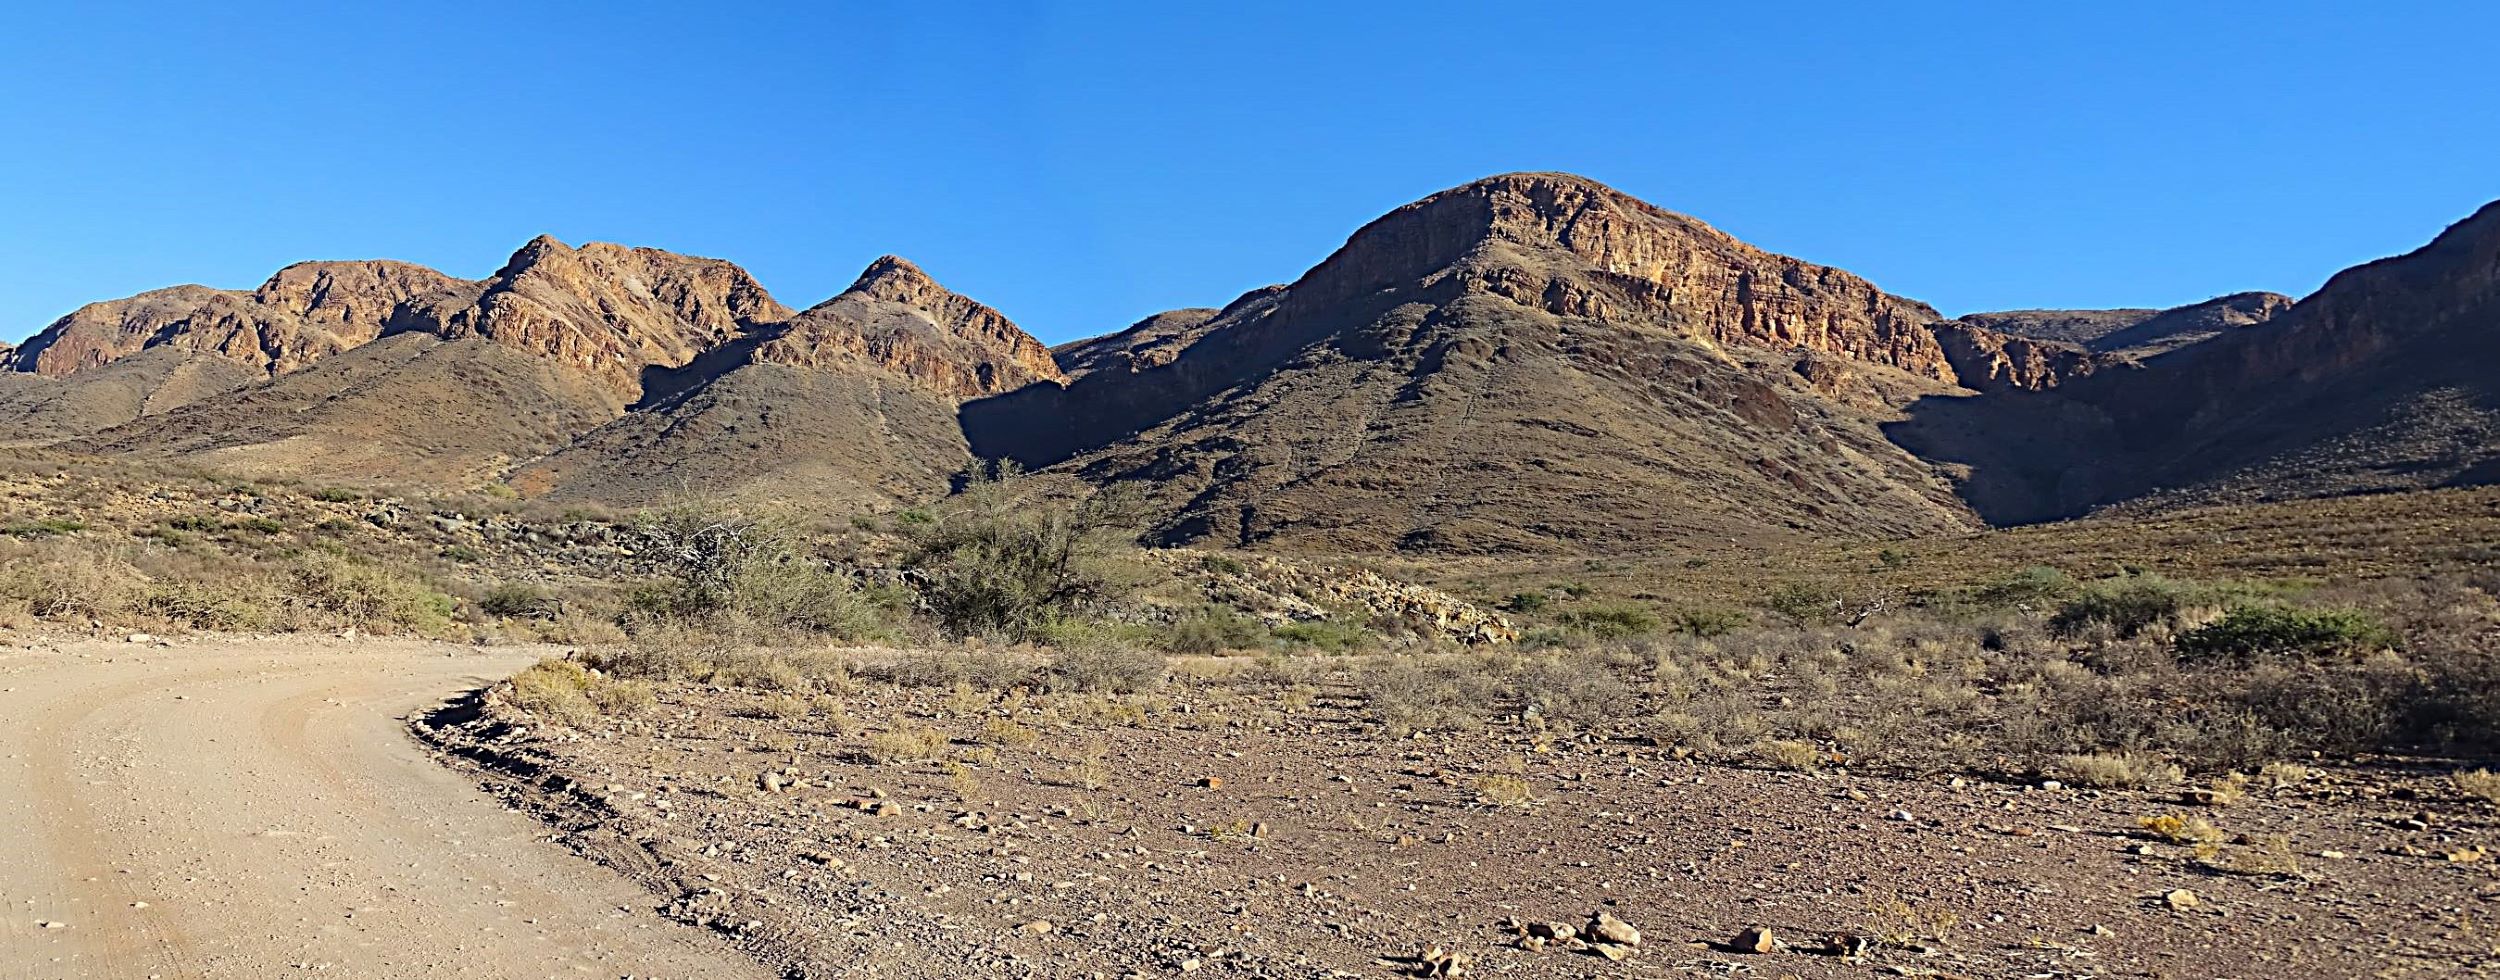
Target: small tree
[1004,558]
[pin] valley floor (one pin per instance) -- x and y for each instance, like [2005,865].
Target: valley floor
[253,808]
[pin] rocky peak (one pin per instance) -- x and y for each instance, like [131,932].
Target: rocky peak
[606,309]
[896,318]
[1574,247]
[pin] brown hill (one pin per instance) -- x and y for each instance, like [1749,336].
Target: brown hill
[850,404]
[1527,362]
[2380,380]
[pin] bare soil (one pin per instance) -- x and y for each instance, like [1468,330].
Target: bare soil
[1220,831]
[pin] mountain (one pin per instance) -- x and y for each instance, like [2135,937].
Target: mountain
[305,312]
[1527,362]
[851,403]
[2381,380]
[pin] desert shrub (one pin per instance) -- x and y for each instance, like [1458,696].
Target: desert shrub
[1610,622]
[55,580]
[1788,753]
[2034,586]
[979,669]
[1440,693]
[338,495]
[1502,789]
[757,670]
[1706,621]
[2114,770]
[1222,564]
[1524,602]
[554,689]
[906,744]
[239,603]
[257,525]
[1329,635]
[1106,669]
[1805,603]
[2479,784]
[1577,689]
[518,600]
[735,571]
[42,527]
[2126,605]
[2248,631]
[371,596]
[1213,629]
[1001,560]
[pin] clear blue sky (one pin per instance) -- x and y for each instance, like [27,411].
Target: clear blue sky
[1081,165]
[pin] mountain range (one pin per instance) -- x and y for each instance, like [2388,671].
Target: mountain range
[1528,363]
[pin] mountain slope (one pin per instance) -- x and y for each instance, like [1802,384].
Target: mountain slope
[1528,362]
[2380,380]
[36,410]
[849,404]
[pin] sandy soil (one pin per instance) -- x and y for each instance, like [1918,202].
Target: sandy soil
[255,808]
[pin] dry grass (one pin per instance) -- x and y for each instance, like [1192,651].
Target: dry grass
[2480,784]
[906,744]
[1503,790]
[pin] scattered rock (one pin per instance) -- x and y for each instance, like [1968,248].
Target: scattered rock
[2180,898]
[1758,939]
[1604,928]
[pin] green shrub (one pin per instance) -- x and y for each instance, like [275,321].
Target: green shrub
[1610,622]
[1000,560]
[2126,605]
[1524,602]
[730,570]
[2249,631]
[2031,586]
[42,527]
[1708,621]
[371,596]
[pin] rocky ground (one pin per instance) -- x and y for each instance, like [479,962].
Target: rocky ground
[1229,826]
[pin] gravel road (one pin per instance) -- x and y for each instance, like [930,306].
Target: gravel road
[257,809]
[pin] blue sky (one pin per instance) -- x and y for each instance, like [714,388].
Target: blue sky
[1082,165]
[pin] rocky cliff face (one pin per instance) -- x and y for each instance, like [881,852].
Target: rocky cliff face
[1573,247]
[1986,360]
[607,310]
[896,319]
[305,312]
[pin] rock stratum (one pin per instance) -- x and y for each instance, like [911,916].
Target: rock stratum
[1532,362]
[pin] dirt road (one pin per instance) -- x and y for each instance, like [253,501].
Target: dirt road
[257,810]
